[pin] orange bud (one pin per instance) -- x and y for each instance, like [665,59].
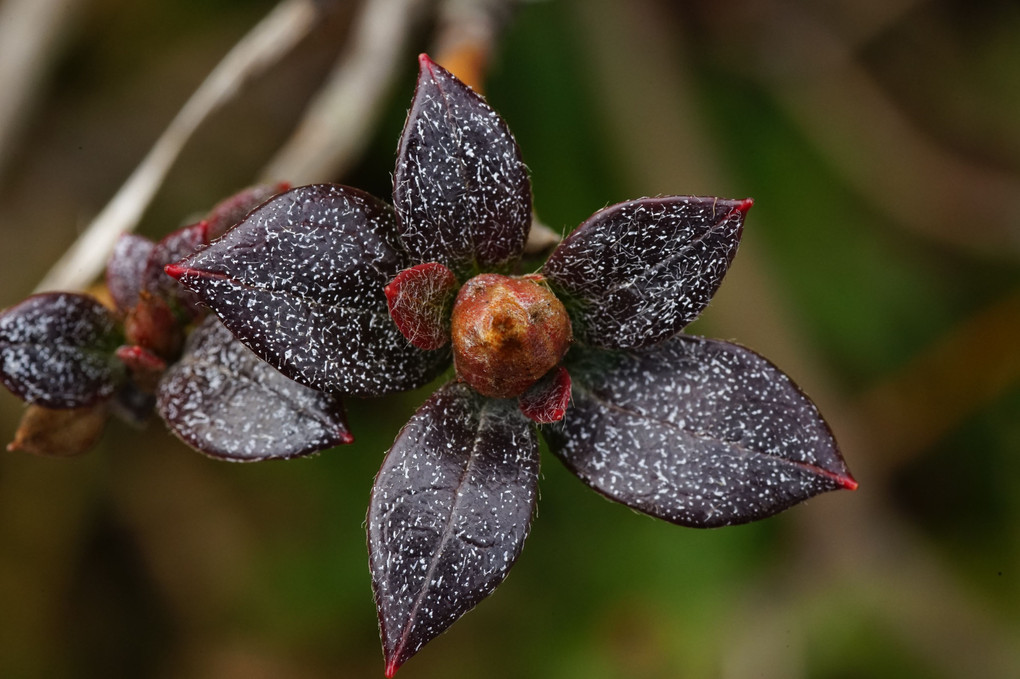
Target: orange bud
[507,332]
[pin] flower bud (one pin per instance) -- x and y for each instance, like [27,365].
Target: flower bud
[507,332]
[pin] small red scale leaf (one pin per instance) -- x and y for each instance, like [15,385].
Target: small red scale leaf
[420,299]
[546,401]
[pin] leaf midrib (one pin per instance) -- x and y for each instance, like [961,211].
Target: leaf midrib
[446,535]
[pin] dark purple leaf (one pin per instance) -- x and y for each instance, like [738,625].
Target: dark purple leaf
[232,210]
[56,350]
[449,513]
[175,247]
[547,400]
[462,194]
[698,432]
[221,399]
[420,299]
[300,281]
[636,273]
[125,269]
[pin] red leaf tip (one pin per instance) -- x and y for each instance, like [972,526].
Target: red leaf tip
[745,205]
[175,270]
[847,482]
[346,437]
[391,668]
[425,61]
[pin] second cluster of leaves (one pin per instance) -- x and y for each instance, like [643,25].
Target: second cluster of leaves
[75,359]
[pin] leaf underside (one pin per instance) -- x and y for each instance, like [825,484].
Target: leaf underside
[56,350]
[462,194]
[223,400]
[449,513]
[698,432]
[125,269]
[300,281]
[636,273]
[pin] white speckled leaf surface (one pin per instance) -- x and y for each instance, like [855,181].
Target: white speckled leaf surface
[300,281]
[698,432]
[225,401]
[449,513]
[56,350]
[462,194]
[637,272]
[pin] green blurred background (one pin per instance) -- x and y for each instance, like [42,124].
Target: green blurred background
[880,140]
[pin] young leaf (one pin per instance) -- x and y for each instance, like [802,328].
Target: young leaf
[56,350]
[125,269]
[697,432]
[300,281]
[449,513]
[224,401]
[462,194]
[420,299]
[636,273]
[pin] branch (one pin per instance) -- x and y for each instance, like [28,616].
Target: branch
[29,31]
[262,47]
[338,123]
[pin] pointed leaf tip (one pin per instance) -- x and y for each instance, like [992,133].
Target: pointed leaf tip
[175,270]
[846,481]
[391,668]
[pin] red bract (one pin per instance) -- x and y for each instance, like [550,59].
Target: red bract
[343,293]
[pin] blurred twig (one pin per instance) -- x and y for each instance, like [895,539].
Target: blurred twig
[337,124]
[262,47]
[29,31]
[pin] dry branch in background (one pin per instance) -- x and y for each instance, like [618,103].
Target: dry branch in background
[29,30]
[262,47]
[338,123]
